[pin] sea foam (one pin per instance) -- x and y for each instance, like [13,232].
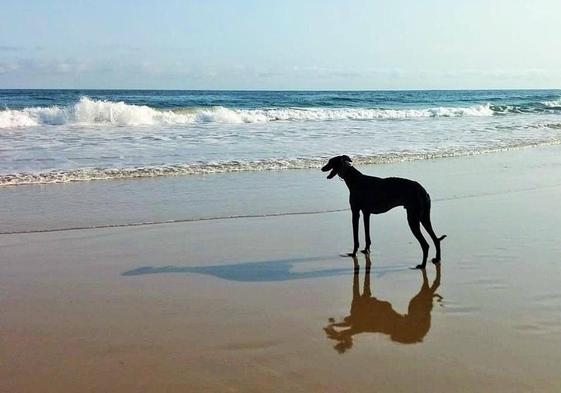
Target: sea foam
[89,111]
[555,104]
[88,174]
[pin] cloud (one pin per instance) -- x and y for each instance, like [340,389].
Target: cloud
[496,73]
[118,48]
[135,72]
[18,49]
[9,48]
[7,67]
[41,67]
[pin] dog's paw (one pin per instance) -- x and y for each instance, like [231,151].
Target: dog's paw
[418,267]
[436,261]
[366,251]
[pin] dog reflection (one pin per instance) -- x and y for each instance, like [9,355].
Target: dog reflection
[371,315]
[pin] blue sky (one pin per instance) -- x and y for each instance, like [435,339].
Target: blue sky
[244,44]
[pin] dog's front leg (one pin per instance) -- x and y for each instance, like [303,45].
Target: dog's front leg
[356,218]
[366,218]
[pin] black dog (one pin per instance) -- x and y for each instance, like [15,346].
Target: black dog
[374,195]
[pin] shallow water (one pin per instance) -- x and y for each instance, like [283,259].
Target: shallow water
[65,135]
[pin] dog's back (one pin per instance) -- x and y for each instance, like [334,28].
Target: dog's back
[378,195]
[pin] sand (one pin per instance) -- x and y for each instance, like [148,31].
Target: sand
[259,304]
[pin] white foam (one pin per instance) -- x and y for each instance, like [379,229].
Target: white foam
[555,104]
[322,114]
[13,119]
[87,174]
[88,111]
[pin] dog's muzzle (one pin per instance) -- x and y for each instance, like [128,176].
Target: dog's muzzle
[333,171]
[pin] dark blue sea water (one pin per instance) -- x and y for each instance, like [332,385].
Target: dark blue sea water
[74,135]
[524,100]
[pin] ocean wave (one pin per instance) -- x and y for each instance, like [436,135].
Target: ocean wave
[325,114]
[89,174]
[88,111]
[555,104]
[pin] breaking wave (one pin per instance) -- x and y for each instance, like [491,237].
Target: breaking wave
[89,111]
[556,104]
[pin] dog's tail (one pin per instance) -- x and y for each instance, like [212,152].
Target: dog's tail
[441,238]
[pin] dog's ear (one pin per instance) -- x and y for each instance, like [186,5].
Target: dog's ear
[346,159]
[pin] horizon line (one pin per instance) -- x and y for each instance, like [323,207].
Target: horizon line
[282,90]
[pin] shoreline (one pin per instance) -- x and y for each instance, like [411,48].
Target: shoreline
[79,175]
[162,200]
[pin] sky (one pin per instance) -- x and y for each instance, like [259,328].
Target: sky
[281,45]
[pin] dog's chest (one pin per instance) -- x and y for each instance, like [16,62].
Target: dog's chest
[372,202]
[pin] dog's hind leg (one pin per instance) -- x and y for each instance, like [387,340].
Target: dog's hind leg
[425,220]
[366,217]
[414,223]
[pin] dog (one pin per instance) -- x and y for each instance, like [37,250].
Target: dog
[374,195]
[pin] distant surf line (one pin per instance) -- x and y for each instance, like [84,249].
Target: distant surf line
[102,111]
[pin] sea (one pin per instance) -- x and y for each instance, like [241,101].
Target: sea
[59,136]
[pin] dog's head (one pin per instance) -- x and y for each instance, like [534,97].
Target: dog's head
[337,165]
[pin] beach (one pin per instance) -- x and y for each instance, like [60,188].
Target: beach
[166,224]
[98,293]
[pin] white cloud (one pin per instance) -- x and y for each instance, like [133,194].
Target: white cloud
[151,73]
[10,48]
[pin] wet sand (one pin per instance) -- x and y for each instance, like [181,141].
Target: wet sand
[267,304]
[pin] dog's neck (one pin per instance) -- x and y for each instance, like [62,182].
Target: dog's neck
[350,175]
